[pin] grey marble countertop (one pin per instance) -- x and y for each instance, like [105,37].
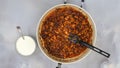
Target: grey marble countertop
[26,13]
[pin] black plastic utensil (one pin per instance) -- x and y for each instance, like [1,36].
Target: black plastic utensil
[75,39]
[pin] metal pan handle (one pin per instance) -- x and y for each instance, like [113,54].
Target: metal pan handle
[65,1]
[59,65]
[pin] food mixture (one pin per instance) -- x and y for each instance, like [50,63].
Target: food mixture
[57,26]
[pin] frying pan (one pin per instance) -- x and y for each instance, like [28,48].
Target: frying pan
[69,60]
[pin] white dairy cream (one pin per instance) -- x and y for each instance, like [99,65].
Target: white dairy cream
[25,46]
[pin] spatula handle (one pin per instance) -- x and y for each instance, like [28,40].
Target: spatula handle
[95,49]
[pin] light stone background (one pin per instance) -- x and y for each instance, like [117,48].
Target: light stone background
[26,13]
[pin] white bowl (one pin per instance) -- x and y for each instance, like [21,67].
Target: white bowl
[25,46]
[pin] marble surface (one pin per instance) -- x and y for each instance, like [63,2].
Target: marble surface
[26,13]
